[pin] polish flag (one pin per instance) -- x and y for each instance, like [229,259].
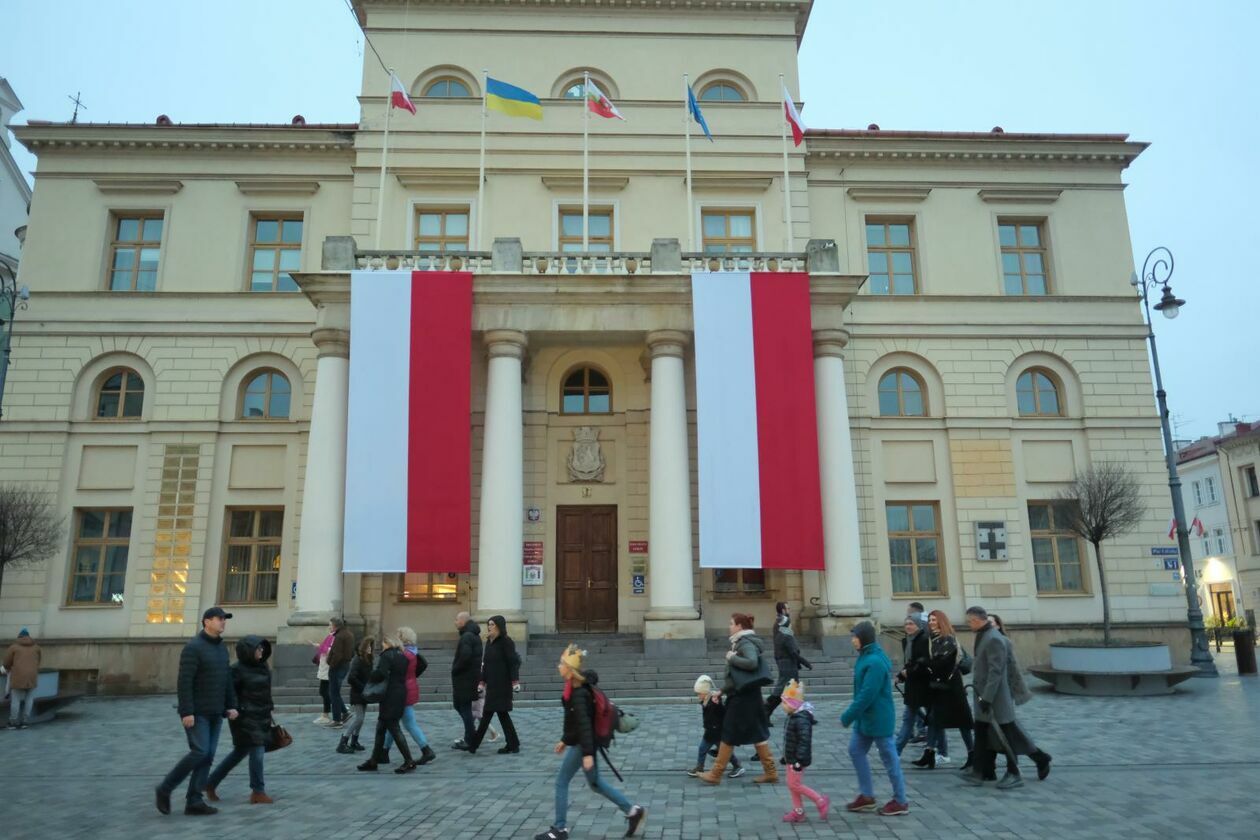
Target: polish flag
[1172,528]
[398,97]
[408,450]
[600,104]
[1197,527]
[757,429]
[793,118]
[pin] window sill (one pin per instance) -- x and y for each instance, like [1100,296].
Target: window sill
[910,596]
[110,606]
[1065,594]
[240,605]
[429,601]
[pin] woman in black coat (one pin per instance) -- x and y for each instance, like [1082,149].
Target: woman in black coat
[914,677]
[390,669]
[747,671]
[947,701]
[251,729]
[500,676]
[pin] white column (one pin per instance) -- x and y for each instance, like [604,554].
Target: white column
[501,526]
[324,490]
[671,580]
[843,592]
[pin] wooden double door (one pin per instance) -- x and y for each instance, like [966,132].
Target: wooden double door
[586,568]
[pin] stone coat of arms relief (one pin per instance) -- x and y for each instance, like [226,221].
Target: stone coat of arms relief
[586,460]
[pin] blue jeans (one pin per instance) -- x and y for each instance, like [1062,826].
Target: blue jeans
[233,758]
[336,676]
[409,723]
[705,746]
[203,737]
[569,765]
[859,746]
[909,715]
[937,740]
[464,710]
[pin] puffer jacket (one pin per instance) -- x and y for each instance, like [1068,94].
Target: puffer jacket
[251,679]
[713,712]
[579,718]
[798,736]
[358,676]
[205,680]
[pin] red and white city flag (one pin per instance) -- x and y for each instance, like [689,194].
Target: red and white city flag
[757,429]
[408,485]
[398,97]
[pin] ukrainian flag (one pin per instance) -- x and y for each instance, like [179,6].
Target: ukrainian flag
[511,100]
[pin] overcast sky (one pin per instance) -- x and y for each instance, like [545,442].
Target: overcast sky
[1182,76]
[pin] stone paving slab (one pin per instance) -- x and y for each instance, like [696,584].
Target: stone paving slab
[1180,766]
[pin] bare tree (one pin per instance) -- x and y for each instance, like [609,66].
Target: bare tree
[30,530]
[1104,501]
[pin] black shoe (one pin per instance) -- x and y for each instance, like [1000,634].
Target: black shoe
[383,757]
[356,746]
[971,756]
[199,809]
[461,744]
[507,750]
[634,819]
[406,767]
[553,833]
[163,801]
[426,755]
[368,766]
[926,761]
[344,747]
[1042,761]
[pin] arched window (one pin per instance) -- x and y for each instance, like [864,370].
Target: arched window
[446,87]
[901,394]
[266,396]
[722,92]
[586,391]
[1037,394]
[120,396]
[574,90]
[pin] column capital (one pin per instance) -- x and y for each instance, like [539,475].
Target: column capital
[330,341]
[509,343]
[666,343]
[830,343]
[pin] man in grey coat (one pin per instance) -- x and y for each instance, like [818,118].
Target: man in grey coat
[999,688]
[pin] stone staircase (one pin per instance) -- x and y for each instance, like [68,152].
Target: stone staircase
[625,673]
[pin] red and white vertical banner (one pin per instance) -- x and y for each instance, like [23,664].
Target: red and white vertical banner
[757,428]
[408,474]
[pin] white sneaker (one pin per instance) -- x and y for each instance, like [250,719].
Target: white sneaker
[322,720]
[492,735]
[941,759]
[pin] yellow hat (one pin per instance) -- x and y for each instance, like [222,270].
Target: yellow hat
[794,695]
[573,657]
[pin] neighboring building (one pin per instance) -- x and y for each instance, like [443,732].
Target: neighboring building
[15,193]
[1204,493]
[1240,468]
[187,404]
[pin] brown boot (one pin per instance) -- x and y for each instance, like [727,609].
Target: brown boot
[260,799]
[210,793]
[714,776]
[771,770]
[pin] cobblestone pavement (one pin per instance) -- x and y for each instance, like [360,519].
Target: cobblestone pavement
[1185,765]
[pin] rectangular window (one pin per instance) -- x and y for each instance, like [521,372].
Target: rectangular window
[914,542]
[275,250]
[1207,548]
[890,256]
[1025,261]
[433,586]
[599,233]
[136,242]
[728,231]
[1253,486]
[1209,487]
[101,540]
[1058,560]
[251,570]
[1218,535]
[1198,493]
[739,582]
[442,229]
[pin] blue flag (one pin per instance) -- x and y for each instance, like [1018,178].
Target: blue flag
[694,107]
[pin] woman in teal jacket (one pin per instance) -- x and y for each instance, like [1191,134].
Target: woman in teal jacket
[873,717]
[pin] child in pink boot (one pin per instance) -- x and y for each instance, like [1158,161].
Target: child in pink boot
[798,736]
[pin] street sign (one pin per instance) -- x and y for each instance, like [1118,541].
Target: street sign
[1171,564]
[533,554]
[1164,551]
[639,582]
[638,546]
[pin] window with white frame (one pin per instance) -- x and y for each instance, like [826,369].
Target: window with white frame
[1197,486]
[1209,490]
[1218,536]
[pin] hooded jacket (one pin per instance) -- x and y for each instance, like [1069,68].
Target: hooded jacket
[798,736]
[251,680]
[871,711]
[500,668]
[22,660]
[466,666]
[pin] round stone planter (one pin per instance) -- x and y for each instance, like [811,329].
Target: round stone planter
[1110,660]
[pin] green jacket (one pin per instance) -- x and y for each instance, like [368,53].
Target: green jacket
[872,710]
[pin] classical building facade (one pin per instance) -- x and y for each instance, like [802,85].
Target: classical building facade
[181,382]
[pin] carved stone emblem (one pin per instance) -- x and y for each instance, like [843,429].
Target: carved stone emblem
[586,461]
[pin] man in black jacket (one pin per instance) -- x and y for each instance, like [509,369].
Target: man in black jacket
[465,674]
[206,695]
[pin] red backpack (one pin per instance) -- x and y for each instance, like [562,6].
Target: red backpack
[605,722]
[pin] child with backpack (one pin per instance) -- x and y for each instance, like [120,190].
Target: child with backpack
[798,738]
[587,728]
[712,710]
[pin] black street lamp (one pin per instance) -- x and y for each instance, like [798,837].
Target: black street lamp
[1157,269]
[12,298]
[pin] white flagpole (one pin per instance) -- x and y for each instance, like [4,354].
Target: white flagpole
[481,165]
[586,169]
[787,185]
[691,210]
[380,201]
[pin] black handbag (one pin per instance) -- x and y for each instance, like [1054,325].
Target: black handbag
[752,679]
[374,691]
